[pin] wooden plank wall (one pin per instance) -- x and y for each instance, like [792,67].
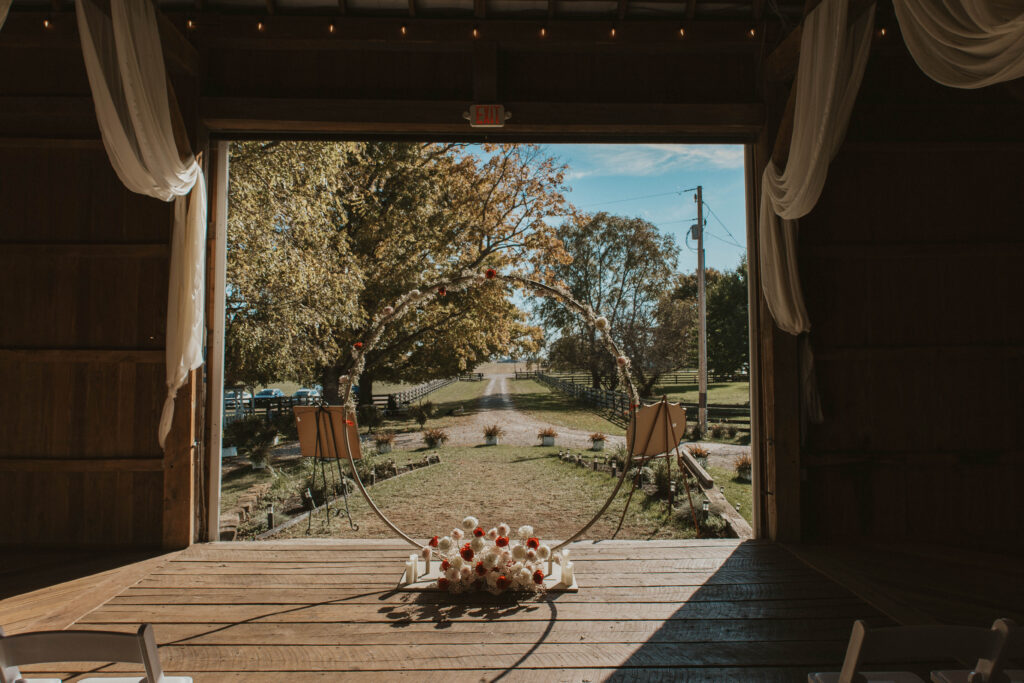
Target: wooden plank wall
[912,272]
[83,292]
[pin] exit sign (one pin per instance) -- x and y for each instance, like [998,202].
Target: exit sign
[487,116]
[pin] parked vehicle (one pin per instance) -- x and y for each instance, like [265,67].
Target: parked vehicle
[270,393]
[306,393]
[231,397]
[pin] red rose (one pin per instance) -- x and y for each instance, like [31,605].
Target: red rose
[467,553]
[444,565]
[533,543]
[491,273]
[478,532]
[501,541]
[358,345]
[480,568]
[433,542]
[538,576]
[442,583]
[441,291]
[503,582]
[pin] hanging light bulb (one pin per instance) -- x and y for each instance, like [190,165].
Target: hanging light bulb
[543,32]
[402,30]
[260,26]
[330,28]
[752,32]
[612,33]
[47,24]
[682,32]
[191,25]
[476,32]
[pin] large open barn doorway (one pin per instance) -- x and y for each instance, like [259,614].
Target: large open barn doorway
[315,239]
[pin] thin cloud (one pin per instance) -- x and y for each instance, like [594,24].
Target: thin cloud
[650,159]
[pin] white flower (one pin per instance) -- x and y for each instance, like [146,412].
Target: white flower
[389,310]
[601,323]
[465,573]
[544,552]
[622,361]
[456,562]
[524,577]
[457,534]
[503,529]
[425,552]
[557,559]
[452,574]
[525,531]
[516,568]
[492,579]
[414,293]
[531,555]
[492,534]
[470,523]
[445,544]
[491,560]
[506,557]
[477,544]
[519,552]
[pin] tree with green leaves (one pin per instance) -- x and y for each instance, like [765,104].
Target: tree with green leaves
[622,268]
[727,325]
[323,236]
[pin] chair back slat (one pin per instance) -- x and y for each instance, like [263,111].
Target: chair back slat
[42,647]
[925,643]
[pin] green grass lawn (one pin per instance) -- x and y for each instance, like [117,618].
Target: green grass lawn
[513,484]
[543,403]
[445,400]
[736,491]
[719,393]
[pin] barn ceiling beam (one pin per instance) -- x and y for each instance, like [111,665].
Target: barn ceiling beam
[342,7]
[691,9]
[271,7]
[552,8]
[623,6]
[480,9]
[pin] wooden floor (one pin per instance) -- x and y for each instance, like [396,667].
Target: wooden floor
[715,610]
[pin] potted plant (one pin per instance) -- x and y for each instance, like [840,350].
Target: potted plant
[547,436]
[492,433]
[435,437]
[699,453]
[383,441]
[743,467]
[597,441]
[258,446]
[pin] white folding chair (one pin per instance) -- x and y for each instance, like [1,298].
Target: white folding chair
[907,644]
[991,667]
[44,647]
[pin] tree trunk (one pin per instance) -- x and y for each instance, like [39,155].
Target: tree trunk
[366,389]
[329,379]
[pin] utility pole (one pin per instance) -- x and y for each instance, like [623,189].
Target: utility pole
[702,344]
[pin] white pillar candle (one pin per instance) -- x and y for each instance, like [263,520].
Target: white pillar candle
[415,563]
[567,574]
[408,573]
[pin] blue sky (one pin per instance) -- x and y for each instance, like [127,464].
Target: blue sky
[619,179]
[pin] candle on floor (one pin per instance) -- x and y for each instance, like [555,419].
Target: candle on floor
[412,569]
[567,574]
[408,572]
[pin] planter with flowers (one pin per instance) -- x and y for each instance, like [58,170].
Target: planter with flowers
[492,433]
[384,441]
[496,561]
[597,440]
[547,436]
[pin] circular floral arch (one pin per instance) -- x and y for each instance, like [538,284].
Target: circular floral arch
[466,281]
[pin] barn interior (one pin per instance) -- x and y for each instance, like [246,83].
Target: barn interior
[900,506]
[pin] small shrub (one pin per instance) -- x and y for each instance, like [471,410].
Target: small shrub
[731,431]
[713,527]
[618,457]
[435,437]
[743,466]
[386,468]
[369,416]
[717,431]
[695,434]
[662,477]
[494,431]
[597,436]
[646,475]
[547,431]
[286,426]
[699,453]
[383,438]
[422,412]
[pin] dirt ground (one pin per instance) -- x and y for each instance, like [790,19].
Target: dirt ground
[497,407]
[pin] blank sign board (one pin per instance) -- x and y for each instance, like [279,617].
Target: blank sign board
[336,424]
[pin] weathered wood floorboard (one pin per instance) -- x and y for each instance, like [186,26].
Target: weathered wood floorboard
[320,611]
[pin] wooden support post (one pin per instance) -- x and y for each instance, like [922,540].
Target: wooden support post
[179,471]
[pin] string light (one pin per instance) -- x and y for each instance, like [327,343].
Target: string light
[612,32]
[881,32]
[682,32]
[402,30]
[191,25]
[752,32]
[330,28]
[476,32]
[543,32]
[260,26]
[47,24]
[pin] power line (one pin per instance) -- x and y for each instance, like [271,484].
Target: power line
[632,199]
[722,239]
[734,240]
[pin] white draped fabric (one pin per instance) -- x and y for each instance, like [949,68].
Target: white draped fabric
[965,43]
[125,65]
[832,59]
[5,7]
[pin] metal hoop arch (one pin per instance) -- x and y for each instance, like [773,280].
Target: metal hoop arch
[464,281]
